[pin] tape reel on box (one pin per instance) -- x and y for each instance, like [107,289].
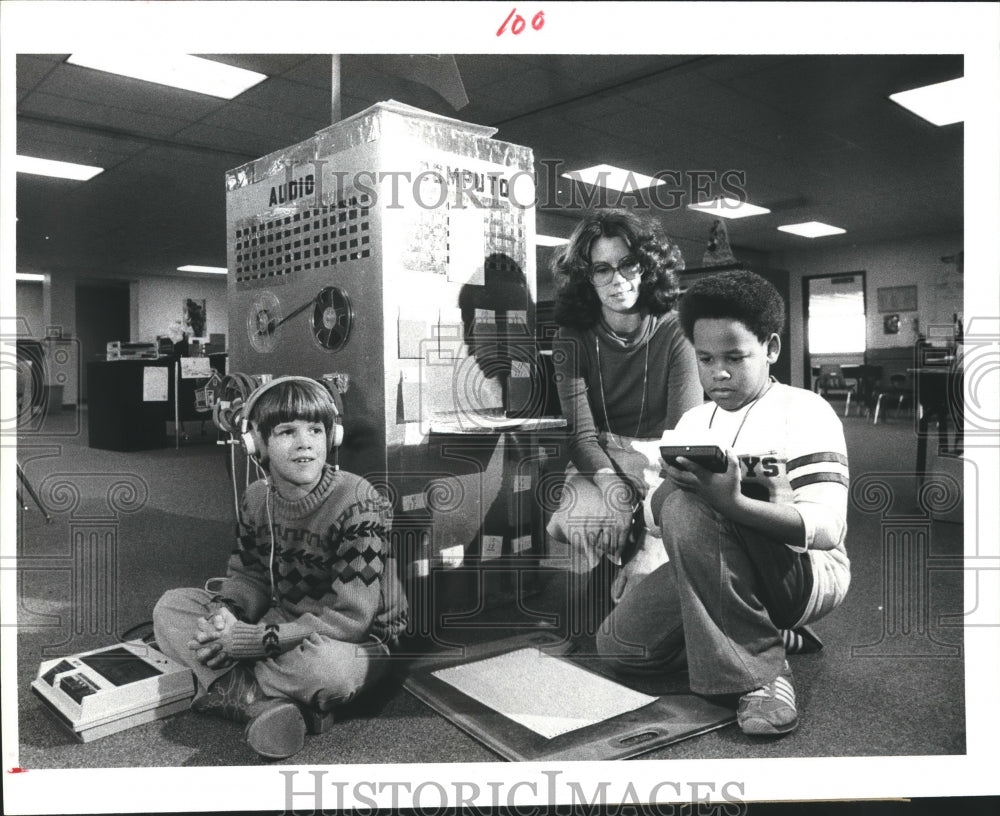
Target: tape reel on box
[263,320]
[332,318]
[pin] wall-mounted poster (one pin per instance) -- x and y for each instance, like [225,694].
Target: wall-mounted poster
[195,317]
[897,299]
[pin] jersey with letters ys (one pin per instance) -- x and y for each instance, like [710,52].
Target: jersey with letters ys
[791,448]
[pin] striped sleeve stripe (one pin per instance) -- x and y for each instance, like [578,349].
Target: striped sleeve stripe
[813,478]
[813,458]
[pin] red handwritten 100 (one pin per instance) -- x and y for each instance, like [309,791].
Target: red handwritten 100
[517,23]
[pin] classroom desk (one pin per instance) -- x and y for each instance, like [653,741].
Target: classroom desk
[939,394]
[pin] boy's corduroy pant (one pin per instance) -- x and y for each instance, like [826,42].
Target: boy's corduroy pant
[716,607]
[320,672]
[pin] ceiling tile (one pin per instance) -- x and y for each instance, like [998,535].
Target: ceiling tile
[282,130]
[314,70]
[65,141]
[238,143]
[100,87]
[31,70]
[272,65]
[533,89]
[288,97]
[815,136]
[98,115]
[604,70]
[480,70]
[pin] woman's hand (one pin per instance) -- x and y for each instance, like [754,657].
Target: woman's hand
[610,533]
[213,639]
[720,490]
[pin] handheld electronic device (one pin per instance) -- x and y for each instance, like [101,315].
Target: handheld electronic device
[709,457]
[101,692]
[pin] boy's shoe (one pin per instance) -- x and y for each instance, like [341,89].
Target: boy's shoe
[801,640]
[770,710]
[275,726]
[317,722]
[276,729]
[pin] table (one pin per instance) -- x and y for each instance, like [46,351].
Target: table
[124,413]
[127,413]
[939,394]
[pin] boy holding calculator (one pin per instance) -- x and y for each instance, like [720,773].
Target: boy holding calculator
[754,532]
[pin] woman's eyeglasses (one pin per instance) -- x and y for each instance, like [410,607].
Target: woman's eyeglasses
[602,274]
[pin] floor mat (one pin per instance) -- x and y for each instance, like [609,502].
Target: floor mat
[525,699]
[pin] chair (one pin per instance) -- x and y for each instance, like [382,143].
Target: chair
[900,391]
[832,384]
[866,378]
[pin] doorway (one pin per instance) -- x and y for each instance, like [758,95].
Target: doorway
[103,313]
[835,327]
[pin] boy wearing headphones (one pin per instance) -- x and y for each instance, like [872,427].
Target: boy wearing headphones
[311,601]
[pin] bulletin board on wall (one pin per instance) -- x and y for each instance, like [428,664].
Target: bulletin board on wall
[946,299]
[897,299]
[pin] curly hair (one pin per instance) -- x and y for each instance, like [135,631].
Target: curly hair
[740,295]
[577,304]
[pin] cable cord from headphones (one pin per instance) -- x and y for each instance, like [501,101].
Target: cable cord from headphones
[268,499]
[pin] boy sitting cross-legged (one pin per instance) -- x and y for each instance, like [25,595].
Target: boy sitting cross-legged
[756,549]
[311,603]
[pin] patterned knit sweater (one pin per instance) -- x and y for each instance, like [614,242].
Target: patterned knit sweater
[331,570]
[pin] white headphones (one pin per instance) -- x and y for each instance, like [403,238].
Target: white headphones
[253,444]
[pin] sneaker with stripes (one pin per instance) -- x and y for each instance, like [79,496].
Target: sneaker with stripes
[769,711]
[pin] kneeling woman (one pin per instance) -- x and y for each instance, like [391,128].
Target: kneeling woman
[625,373]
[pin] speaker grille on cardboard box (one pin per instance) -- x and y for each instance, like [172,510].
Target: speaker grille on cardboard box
[312,238]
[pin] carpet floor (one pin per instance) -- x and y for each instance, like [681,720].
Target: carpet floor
[889,682]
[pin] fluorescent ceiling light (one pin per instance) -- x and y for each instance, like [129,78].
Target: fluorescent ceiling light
[177,70]
[812,229]
[614,178]
[550,241]
[208,270]
[726,207]
[29,277]
[56,169]
[940,104]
